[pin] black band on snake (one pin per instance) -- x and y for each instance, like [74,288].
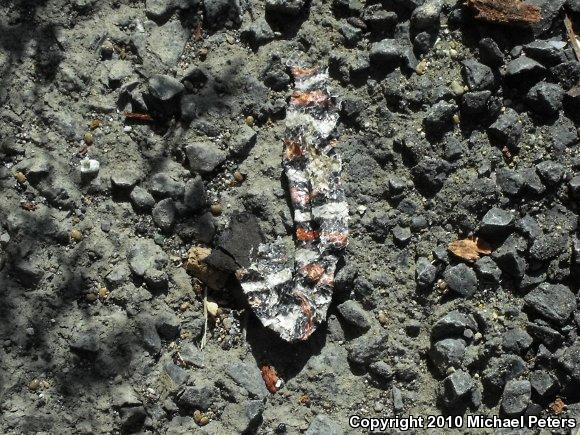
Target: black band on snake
[290,293]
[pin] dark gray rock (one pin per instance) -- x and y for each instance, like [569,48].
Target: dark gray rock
[401,235]
[507,129]
[386,53]
[141,199]
[236,243]
[461,279]
[367,348]
[554,302]
[243,140]
[132,418]
[426,16]
[145,255]
[324,425]
[456,387]
[548,246]
[446,353]
[125,180]
[204,157]
[275,75]
[550,172]
[258,33]
[482,105]
[425,273]
[29,273]
[508,257]
[511,182]
[544,334]
[195,197]
[502,369]
[574,186]
[529,227]
[567,73]
[453,324]
[167,324]
[382,371]
[150,337]
[496,223]
[430,174]
[355,315]
[192,356]
[164,214]
[162,185]
[248,377]
[548,53]
[188,107]
[197,397]
[516,340]
[490,53]
[478,76]
[85,345]
[524,71]
[285,7]
[532,182]
[164,88]
[570,362]
[222,12]
[545,98]
[379,20]
[438,118]
[516,398]
[487,270]
[543,383]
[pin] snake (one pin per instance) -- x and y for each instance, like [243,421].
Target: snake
[290,288]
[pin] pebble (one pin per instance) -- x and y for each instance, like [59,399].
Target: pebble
[76,235]
[461,279]
[354,314]
[89,167]
[216,209]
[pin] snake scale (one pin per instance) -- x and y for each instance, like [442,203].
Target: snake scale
[290,293]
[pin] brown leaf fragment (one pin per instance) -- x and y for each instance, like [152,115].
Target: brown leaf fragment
[270,378]
[512,12]
[558,406]
[470,249]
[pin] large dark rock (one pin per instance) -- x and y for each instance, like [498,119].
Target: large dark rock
[456,387]
[478,76]
[516,398]
[507,130]
[554,302]
[453,324]
[446,353]
[235,244]
[461,279]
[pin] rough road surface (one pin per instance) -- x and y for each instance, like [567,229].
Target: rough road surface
[141,161]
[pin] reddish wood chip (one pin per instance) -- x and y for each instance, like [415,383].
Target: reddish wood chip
[512,12]
[139,117]
[270,378]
